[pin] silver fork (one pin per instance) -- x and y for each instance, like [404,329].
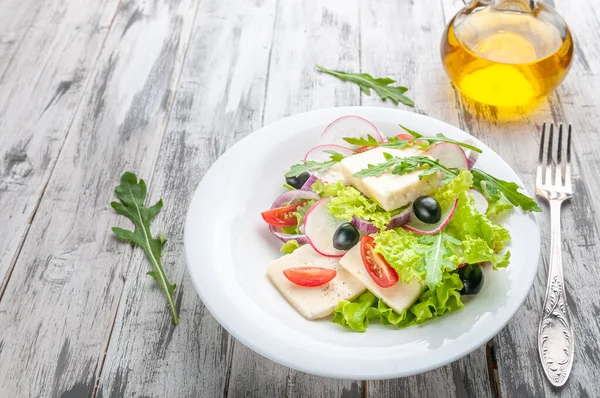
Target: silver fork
[555,333]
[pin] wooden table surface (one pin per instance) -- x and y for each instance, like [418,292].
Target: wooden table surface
[91,88]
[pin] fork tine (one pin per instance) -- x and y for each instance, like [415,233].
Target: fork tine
[558,165]
[538,175]
[548,169]
[568,165]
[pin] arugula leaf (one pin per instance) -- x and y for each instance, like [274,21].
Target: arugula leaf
[369,141]
[132,195]
[311,165]
[431,140]
[491,186]
[367,82]
[402,166]
[437,256]
[398,143]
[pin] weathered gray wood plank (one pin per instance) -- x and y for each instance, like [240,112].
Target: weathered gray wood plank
[220,99]
[389,48]
[41,86]
[306,33]
[59,305]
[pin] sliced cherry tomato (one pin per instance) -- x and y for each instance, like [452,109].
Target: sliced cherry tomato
[364,149]
[281,216]
[461,265]
[309,276]
[379,269]
[404,136]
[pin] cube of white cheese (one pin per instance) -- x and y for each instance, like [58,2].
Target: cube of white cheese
[399,297]
[313,302]
[389,190]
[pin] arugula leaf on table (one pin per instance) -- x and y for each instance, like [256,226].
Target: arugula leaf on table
[132,195]
[367,82]
[491,187]
[311,165]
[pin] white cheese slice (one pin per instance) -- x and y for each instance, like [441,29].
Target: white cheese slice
[389,190]
[313,302]
[399,297]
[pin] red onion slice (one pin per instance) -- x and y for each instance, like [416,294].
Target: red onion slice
[297,194]
[309,183]
[284,199]
[399,220]
[301,239]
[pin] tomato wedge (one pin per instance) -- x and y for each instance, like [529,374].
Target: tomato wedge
[379,269]
[404,136]
[409,137]
[364,149]
[281,216]
[309,276]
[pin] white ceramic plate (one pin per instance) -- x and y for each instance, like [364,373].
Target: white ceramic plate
[228,246]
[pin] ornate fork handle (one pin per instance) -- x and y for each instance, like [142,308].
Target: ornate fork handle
[555,333]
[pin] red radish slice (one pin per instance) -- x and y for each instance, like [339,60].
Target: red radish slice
[480,202]
[319,154]
[367,227]
[449,155]
[309,183]
[421,228]
[276,231]
[289,196]
[349,126]
[473,156]
[320,226]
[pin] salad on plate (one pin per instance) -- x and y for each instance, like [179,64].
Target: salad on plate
[389,229]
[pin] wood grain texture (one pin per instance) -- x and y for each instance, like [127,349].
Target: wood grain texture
[416,64]
[220,99]
[306,33]
[40,89]
[59,305]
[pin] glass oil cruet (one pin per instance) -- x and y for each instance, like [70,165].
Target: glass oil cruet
[507,53]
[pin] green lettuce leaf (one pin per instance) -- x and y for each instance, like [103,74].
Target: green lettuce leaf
[444,298]
[468,225]
[289,246]
[326,190]
[356,314]
[398,247]
[348,201]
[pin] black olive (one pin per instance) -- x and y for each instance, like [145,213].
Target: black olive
[345,237]
[471,276]
[297,181]
[427,209]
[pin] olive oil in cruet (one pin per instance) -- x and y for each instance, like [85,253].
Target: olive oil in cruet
[507,53]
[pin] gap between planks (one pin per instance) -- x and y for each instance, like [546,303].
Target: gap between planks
[113,317]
